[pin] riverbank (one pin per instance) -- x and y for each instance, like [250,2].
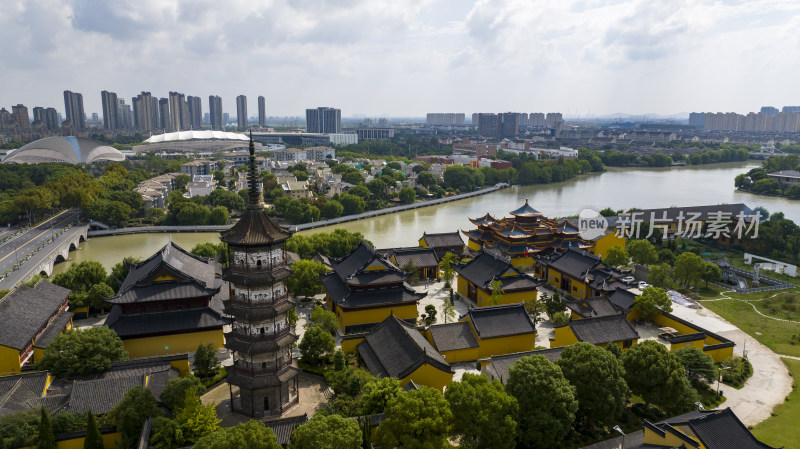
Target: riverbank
[305,226]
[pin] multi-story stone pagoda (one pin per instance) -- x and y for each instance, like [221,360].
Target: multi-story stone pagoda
[261,338]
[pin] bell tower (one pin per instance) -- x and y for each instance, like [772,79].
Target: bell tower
[261,338]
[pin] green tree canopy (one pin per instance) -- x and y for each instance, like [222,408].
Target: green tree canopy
[484,415]
[131,413]
[599,381]
[219,216]
[46,438]
[81,276]
[316,344]
[642,251]
[377,394]
[332,209]
[660,275]
[700,368]
[324,319]
[352,204]
[82,351]
[250,435]
[206,362]
[711,272]
[94,440]
[98,294]
[407,195]
[305,279]
[328,432]
[338,243]
[547,403]
[652,301]
[195,419]
[175,391]
[417,419]
[120,271]
[688,268]
[617,256]
[657,376]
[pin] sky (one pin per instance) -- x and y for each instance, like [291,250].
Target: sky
[405,58]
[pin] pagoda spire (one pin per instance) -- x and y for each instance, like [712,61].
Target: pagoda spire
[253,194]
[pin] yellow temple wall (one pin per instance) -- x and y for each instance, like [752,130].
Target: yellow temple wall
[172,344]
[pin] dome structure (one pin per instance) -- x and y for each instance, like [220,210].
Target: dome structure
[196,135]
[67,150]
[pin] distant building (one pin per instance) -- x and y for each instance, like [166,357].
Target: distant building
[195,107]
[262,111]
[552,119]
[449,118]
[195,168]
[374,133]
[769,110]
[145,112]
[176,109]
[795,109]
[536,119]
[215,112]
[165,121]
[73,104]
[38,115]
[124,114]
[324,120]
[226,118]
[498,125]
[110,110]
[21,117]
[697,120]
[305,154]
[241,111]
[201,185]
[786,178]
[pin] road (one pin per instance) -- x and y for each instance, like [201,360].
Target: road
[26,242]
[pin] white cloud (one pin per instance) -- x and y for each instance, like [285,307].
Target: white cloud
[408,57]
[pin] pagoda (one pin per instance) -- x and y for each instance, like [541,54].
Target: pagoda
[524,235]
[261,337]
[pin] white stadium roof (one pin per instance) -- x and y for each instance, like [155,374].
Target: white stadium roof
[196,135]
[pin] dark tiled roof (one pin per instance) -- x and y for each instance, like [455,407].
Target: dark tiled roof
[139,325]
[593,307]
[786,173]
[717,429]
[101,395]
[283,428]
[411,385]
[622,298]
[483,268]
[354,261]
[26,311]
[525,210]
[501,321]
[502,363]
[163,291]
[18,389]
[177,260]
[421,257]
[453,336]
[575,263]
[486,220]
[603,329]
[255,227]
[394,348]
[52,330]
[443,239]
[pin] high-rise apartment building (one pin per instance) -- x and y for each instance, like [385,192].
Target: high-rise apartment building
[499,125]
[177,107]
[731,121]
[536,119]
[215,112]
[124,114]
[488,125]
[21,117]
[145,112]
[195,112]
[795,109]
[241,111]
[475,118]
[38,115]
[448,118]
[262,111]
[167,120]
[323,120]
[226,119]
[110,106]
[769,110]
[73,103]
[509,124]
[553,118]
[697,120]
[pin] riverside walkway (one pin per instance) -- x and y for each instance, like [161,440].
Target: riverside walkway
[304,226]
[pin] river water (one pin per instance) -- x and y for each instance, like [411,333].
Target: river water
[615,188]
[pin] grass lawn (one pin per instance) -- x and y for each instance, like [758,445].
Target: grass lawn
[782,429]
[776,335]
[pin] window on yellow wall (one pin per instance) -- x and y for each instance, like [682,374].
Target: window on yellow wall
[627,343]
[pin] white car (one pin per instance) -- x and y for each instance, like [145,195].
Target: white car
[628,279]
[643,285]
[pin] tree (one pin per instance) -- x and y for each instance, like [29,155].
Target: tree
[324,319]
[250,435]
[497,291]
[316,343]
[305,279]
[219,216]
[175,391]
[82,351]
[617,256]
[535,308]
[642,251]
[699,366]
[377,394]
[446,266]
[599,381]
[327,432]
[411,269]
[46,438]
[81,276]
[659,275]
[136,406]
[98,294]
[195,419]
[407,195]
[166,434]
[484,415]
[332,209]
[206,249]
[416,419]
[94,440]
[547,403]
[652,301]
[181,181]
[657,376]
[352,204]
[711,272]
[553,304]
[688,267]
[120,271]
[448,310]
[427,179]
[206,363]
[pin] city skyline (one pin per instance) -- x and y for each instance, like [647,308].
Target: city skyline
[582,58]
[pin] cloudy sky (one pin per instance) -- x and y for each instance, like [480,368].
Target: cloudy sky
[405,57]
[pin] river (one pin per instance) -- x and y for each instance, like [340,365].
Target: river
[615,188]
